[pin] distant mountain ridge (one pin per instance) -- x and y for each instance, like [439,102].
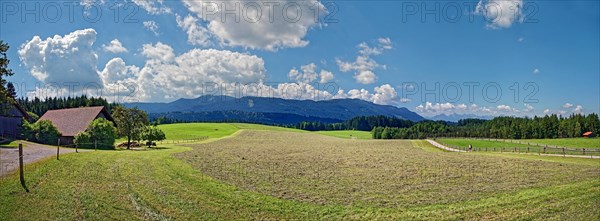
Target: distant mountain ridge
[271,110]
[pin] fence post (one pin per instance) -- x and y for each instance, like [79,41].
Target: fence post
[545,148]
[564,152]
[21,172]
[583,151]
[58,149]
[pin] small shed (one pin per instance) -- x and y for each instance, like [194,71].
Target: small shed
[588,134]
[73,121]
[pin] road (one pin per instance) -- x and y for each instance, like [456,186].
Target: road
[32,152]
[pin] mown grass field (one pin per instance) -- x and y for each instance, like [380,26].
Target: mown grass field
[349,134]
[284,175]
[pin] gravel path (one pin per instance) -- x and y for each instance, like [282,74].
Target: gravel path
[438,145]
[32,152]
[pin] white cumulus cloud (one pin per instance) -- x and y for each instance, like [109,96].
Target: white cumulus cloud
[166,75]
[364,65]
[308,74]
[153,7]
[197,34]
[115,46]
[258,24]
[500,13]
[578,110]
[326,76]
[151,26]
[62,59]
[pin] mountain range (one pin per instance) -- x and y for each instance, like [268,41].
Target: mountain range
[270,110]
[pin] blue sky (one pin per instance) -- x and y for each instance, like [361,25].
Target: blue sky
[547,52]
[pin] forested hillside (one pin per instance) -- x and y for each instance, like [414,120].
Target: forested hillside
[549,126]
[40,106]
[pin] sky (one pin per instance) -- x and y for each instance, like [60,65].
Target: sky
[486,58]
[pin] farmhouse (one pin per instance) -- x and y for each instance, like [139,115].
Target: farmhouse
[11,120]
[73,121]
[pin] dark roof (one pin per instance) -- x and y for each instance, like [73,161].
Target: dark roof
[19,109]
[23,111]
[73,121]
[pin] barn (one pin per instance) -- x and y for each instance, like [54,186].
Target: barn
[73,121]
[11,121]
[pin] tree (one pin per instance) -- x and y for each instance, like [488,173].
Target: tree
[34,117]
[41,132]
[10,90]
[4,72]
[39,106]
[153,133]
[130,122]
[100,132]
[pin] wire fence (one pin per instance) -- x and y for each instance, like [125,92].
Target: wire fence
[96,145]
[526,148]
[189,140]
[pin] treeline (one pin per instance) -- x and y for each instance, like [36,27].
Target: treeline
[39,106]
[551,126]
[364,123]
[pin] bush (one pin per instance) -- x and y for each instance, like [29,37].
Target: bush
[100,132]
[41,132]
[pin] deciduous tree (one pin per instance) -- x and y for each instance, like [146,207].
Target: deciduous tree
[130,122]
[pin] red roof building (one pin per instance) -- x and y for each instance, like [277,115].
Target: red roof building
[73,121]
[588,134]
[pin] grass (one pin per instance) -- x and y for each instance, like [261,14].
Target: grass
[348,134]
[560,142]
[11,144]
[566,142]
[479,143]
[283,175]
[392,175]
[183,131]
[264,127]
[193,130]
[520,145]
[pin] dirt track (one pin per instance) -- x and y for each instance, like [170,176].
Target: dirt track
[32,152]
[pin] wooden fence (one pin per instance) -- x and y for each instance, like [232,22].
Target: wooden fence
[528,148]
